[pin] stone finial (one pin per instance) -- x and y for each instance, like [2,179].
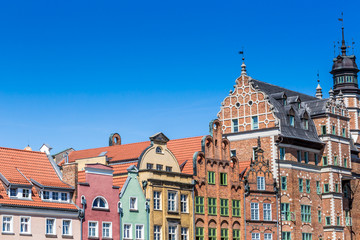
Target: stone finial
[318,94]
[340,96]
[331,93]
[243,68]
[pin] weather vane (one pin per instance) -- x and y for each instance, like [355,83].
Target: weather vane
[242,53]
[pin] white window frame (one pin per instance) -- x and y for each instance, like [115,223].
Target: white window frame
[110,230]
[97,207]
[255,236]
[28,224]
[172,201]
[157,200]
[267,211]
[125,236]
[157,232]
[96,229]
[260,183]
[184,233]
[142,232]
[28,193]
[53,227]
[16,192]
[233,125]
[8,222]
[43,194]
[268,236]
[52,196]
[254,125]
[184,203]
[70,227]
[135,207]
[254,206]
[171,225]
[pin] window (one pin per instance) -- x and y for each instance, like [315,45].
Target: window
[224,234]
[212,206]
[292,120]
[327,220]
[306,236]
[306,124]
[172,201]
[323,129]
[157,200]
[168,169]
[100,202]
[13,192]
[326,188]
[183,203]
[267,236]
[325,161]
[336,187]
[158,150]
[306,157]
[299,156]
[285,211]
[235,125]
[283,183]
[46,195]
[64,197]
[139,231]
[282,153]
[284,101]
[7,224]
[199,205]
[316,159]
[333,130]
[184,233]
[286,235]
[260,183]
[149,166]
[254,211]
[305,213]
[236,211]
[199,233]
[255,123]
[127,231]
[346,193]
[26,193]
[211,177]
[55,196]
[232,153]
[24,224]
[212,233]
[66,227]
[308,185]
[223,179]
[335,160]
[255,236]
[267,211]
[319,216]
[159,167]
[343,132]
[345,162]
[301,187]
[50,226]
[107,229]
[236,234]
[224,207]
[157,232]
[338,220]
[172,232]
[318,188]
[133,203]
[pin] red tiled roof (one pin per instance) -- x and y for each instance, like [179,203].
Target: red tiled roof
[81,176]
[119,181]
[243,165]
[122,167]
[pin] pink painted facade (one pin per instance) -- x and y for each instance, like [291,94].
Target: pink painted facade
[101,219]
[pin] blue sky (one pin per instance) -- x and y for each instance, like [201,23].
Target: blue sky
[73,72]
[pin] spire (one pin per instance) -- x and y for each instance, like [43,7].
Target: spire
[343,46]
[318,94]
[331,93]
[243,66]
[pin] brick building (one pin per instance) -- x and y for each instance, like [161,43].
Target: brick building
[311,143]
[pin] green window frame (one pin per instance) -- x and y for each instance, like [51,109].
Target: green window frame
[333,130]
[236,234]
[212,206]
[285,211]
[212,233]
[286,235]
[301,187]
[338,220]
[345,162]
[319,216]
[308,189]
[336,187]
[199,233]
[211,177]
[335,160]
[224,234]
[318,187]
[326,187]
[223,179]
[224,207]
[323,129]
[236,210]
[306,236]
[282,153]
[327,220]
[199,205]
[325,160]
[306,213]
[283,183]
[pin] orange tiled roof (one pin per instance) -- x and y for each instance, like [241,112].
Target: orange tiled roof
[119,181]
[121,168]
[81,176]
[243,165]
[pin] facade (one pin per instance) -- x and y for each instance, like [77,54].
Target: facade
[34,202]
[134,208]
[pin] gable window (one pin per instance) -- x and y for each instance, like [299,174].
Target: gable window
[333,130]
[299,155]
[223,179]
[305,213]
[159,150]
[139,232]
[308,185]
[127,231]
[199,205]
[306,157]
[159,167]
[292,120]
[235,125]
[172,201]
[323,129]
[267,211]
[254,211]
[99,202]
[211,177]
[260,183]
[254,123]
[13,192]
[183,203]
[301,187]
[224,207]
[50,226]
[133,204]
[233,153]
[66,227]
[168,169]
[157,232]
[7,224]
[107,230]
[282,153]
[157,200]
[236,211]
[25,225]
[212,206]
[149,166]
[283,183]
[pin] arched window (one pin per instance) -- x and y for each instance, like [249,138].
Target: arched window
[100,202]
[158,150]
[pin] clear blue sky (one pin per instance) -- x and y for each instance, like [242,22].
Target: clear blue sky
[72,72]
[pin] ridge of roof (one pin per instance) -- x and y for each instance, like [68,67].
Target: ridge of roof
[21,150]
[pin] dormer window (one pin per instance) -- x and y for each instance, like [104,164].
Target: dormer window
[284,101]
[292,120]
[13,192]
[299,105]
[159,150]
[100,202]
[20,193]
[25,193]
[55,196]
[306,124]
[46,195]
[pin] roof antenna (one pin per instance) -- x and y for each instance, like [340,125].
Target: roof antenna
[343,46]
[243,66]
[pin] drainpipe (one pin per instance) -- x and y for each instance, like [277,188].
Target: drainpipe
[193,206]
[277,216]
[245,215]
[82,215]
[120,211]
[147,208]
